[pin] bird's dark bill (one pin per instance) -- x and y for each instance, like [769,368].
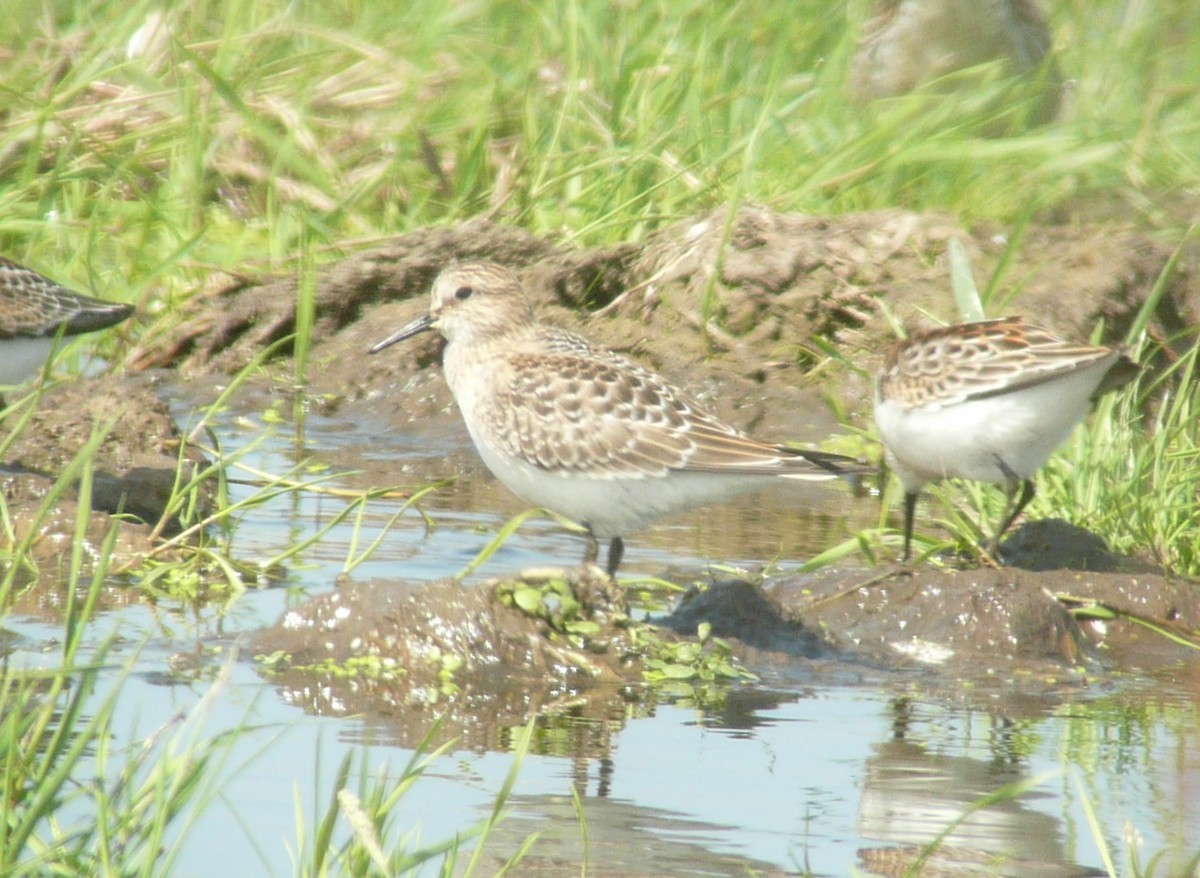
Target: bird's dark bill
[421,324]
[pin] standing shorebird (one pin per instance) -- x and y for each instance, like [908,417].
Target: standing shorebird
[988,401]
[581,430]
[910,43]
[34,311]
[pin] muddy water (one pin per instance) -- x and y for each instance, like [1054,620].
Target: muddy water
[824,766]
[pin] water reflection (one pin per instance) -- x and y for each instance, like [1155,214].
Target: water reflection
[622,839]
[969,808]
[822,771]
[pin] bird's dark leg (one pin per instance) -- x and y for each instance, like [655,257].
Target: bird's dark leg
[616,551]
[910,508]
[592,549]
[1012,509]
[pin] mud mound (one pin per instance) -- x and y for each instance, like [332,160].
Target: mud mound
[134,468]
[747,293]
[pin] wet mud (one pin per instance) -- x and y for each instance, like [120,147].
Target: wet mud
[775,284]
[136,469]
[408,653]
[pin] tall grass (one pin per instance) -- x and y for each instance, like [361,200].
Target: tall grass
[73,801]
[146,148]
[245,130]
[79,796]
[1132,475]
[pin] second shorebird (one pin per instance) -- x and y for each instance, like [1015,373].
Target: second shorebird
[988,401]
[584,431]
[34,311]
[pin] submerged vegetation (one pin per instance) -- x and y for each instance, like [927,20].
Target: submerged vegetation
[151,153]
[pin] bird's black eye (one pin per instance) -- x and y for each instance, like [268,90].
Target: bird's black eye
[463,293]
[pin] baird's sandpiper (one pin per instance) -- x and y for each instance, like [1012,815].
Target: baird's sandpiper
[34,310]
[988,401]
[581,430]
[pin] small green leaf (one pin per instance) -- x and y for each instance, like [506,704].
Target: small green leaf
[529,600]
[583,628]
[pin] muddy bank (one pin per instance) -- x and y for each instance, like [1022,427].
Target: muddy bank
[132,480]
[772,283]
[482,659]
[1010,629]
[1011,639]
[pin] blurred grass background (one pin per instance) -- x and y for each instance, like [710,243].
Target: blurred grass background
[143,144]
[148,149]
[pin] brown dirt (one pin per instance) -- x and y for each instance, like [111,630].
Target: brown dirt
[1009,631]
[776,282]
[512,664]
[133,474]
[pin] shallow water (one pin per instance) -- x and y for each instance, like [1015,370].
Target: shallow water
[791,775]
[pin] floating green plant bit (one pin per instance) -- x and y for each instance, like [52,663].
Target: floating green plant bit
[372,667]
[554,601]
[706,659]
[697,673]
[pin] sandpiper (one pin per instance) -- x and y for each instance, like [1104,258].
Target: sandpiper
[909,43]
[581,430]
[34,311]
[988,401]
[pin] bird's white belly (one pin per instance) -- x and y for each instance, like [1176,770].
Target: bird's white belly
[988,440]
[616,505]
[22,357]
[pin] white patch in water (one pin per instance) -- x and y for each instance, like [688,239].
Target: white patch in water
[924,651]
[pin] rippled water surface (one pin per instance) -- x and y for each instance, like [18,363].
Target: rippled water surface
[792,775]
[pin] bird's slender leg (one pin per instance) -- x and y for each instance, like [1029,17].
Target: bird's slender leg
[616,551]
[910,508]
[1012,509]
[592,549]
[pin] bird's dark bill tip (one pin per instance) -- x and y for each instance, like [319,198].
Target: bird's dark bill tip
[422,324]
[101,316]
